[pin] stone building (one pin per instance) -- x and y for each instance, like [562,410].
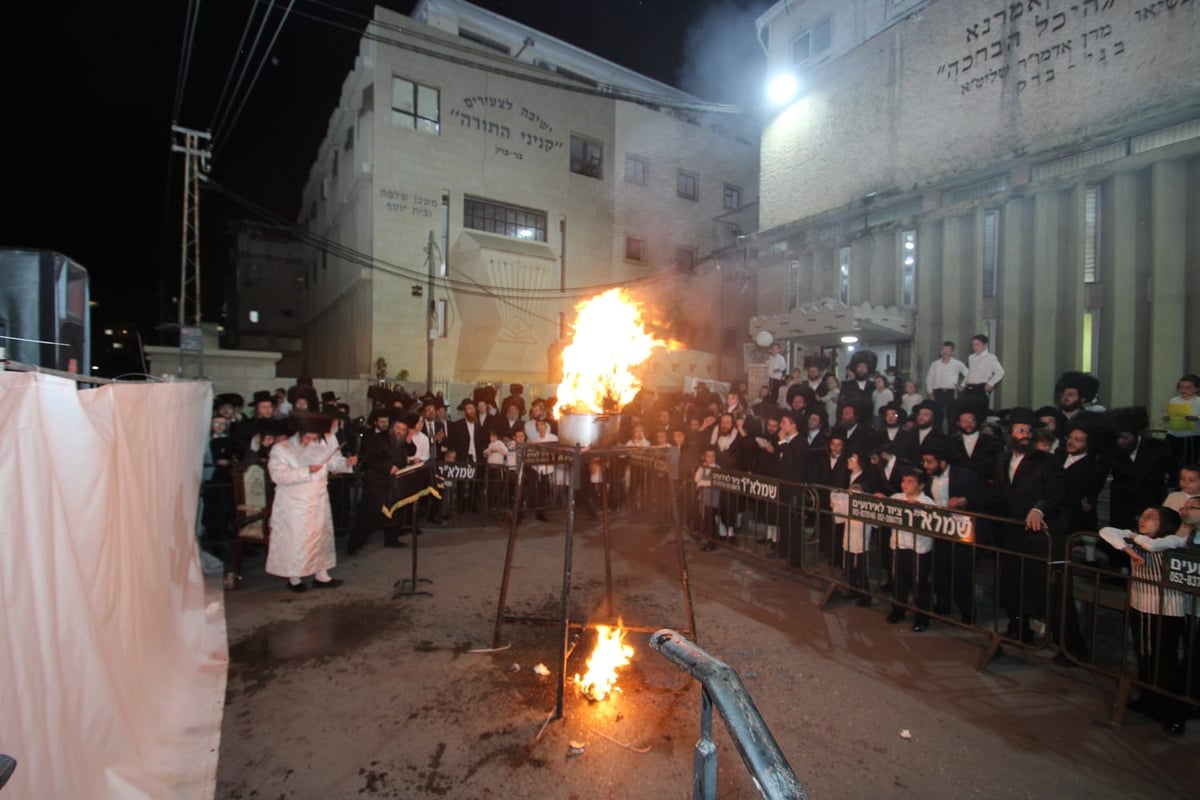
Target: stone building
[539,173]
[264,311]
[1025,169]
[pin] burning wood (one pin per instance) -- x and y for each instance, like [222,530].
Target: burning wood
[611,653]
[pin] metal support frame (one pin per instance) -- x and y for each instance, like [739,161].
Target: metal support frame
[573,455]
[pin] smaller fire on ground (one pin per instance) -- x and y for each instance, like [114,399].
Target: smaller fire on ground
[610,654]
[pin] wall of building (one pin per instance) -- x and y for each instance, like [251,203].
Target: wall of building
[972,83]
[505,140]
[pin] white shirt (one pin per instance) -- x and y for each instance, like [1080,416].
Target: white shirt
[1014,464]
[939,488]
[471,440]
[969,441]
[1071,459]
[945,374]
[907,540]
[984,368]
[421,442]
[776,366]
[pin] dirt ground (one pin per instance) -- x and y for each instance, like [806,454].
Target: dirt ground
[350,693]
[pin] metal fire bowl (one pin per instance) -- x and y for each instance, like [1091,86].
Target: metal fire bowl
[590,430]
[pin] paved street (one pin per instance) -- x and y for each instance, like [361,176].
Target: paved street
[349,693]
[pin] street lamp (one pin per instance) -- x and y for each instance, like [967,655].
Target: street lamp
[782,88]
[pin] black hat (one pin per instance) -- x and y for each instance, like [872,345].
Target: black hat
[310,422]
[410,419]
[820,362]
[328,397]
[230,399]
[466,401]
[515,388]
[937,447]
[966,405]
[485,393]
[263,396]
[1019,416]
[1060,418]
[898,408]
[1130,419]
[810,396]
[377,414]
[1168,520]
[272,427]
[932,406]
[1102,436]
[838,433]
[307,393]
[867,357]
[1087,385]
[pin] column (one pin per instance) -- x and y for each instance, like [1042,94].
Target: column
[1168,280]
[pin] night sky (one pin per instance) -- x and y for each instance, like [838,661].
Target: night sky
[91,91]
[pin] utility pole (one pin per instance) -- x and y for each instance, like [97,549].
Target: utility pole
[431,320]
[195,148]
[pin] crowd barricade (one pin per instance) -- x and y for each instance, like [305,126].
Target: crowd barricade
[1106,633]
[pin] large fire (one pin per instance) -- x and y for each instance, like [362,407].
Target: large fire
[609,340]
[611,654]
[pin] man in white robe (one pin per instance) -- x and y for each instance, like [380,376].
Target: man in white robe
[301,520]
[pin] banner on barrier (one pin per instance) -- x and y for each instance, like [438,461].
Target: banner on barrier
[749,485]
[1183,569]
[457,471]
[909,516]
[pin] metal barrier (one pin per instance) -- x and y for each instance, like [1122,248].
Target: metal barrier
[722,687]
[1155,648]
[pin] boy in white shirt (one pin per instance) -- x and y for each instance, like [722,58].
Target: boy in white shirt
[912,556]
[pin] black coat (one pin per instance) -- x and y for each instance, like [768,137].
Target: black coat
[794,459]
[963,483]
[822,473]
[1140,483]
[905,445]
[459,439]
[1038,483]
[1082,483]
[982,461]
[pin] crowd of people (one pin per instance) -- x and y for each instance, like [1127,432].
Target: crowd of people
[939,443]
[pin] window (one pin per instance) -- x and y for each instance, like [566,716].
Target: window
[349,145]
[685,259]
[1090,341]
[812,42]
[439,320]
[635,249]
[1091,234]
[254,316]
[792,295]
[733,197]
[844,276]
[415,106]
[587,157]
[687,185]
[908,268]
[991,250]
[635,170]
[520,223]
[368,97]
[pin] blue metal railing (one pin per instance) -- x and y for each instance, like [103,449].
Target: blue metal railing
[723,688]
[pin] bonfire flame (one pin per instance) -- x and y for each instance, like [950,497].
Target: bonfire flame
[609,341]
[611,653]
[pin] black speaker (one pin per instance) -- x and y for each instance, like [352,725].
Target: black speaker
[44,310]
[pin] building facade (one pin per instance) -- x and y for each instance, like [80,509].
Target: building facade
[1030,170]
[479,178]
[269,274]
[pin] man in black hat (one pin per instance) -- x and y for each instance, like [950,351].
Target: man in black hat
[249,431]
[301,519]
[1052,421]
[516,394]
[1142,467]
[958,488]
[1076,392]
[383,454]
[438,430]
[904,443]
[1028,485]
[925,413]
[972,448]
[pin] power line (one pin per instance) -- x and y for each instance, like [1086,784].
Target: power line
[470,286]
[233,65]
[220,145]
[185,58]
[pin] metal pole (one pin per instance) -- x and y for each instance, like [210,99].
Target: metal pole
[430,327]
[512,546]
[565,611]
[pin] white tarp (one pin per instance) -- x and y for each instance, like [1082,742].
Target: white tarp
[112,669]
